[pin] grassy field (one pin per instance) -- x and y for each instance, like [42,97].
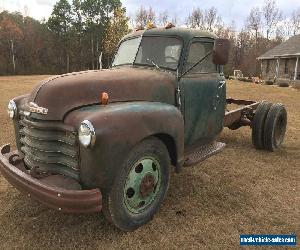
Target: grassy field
[240,190]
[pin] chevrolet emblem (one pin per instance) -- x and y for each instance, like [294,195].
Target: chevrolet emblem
[34,108]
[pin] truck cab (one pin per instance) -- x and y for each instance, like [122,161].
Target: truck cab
[200,91]
[107,139]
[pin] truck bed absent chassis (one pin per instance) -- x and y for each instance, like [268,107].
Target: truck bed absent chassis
[241,116]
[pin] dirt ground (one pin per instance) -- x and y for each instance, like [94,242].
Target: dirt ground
[238,191]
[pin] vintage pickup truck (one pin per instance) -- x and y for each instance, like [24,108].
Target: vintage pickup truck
[106,139]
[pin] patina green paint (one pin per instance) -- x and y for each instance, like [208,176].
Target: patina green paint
[134,200]
[204,103]
[204,107]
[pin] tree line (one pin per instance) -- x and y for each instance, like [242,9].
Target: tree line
[72,39]
[77,34]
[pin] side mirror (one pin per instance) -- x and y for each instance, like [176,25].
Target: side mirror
[221,51]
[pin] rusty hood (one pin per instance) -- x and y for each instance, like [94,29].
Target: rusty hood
[61,94]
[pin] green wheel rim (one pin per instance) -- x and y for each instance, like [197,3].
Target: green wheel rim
[142,184]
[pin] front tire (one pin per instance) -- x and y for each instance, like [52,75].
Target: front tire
[139,187]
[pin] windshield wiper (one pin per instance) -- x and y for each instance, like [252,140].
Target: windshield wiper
[149,60]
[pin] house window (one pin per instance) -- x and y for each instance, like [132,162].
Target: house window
[268,66]
[286,66]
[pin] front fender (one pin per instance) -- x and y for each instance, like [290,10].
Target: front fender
[119,127]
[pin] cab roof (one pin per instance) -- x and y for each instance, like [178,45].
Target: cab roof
[185,33]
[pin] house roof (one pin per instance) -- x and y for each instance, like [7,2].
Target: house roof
[289,48]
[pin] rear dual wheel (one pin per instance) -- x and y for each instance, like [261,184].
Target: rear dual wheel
[139,187]
[275,127]
[269,126]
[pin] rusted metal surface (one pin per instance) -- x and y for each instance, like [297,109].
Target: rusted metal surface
[241,116]
[70,91]
[50,146]
[119,127]
[147,185]
[239,101]
[55,191]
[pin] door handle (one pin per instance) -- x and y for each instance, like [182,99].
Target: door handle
[221,84]
[217,98]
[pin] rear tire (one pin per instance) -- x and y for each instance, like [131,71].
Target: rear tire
[139,187]
[258,124]
[275,127]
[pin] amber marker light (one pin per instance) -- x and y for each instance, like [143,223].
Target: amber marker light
[104,98]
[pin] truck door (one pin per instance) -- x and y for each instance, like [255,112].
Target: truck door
[203,93]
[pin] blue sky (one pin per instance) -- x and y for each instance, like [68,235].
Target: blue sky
[231,10]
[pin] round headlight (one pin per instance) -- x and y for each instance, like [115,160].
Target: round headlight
[86,134]
[12,109]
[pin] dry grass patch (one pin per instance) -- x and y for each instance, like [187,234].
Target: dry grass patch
[240,190]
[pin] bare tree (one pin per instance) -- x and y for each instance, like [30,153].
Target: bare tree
[151,15]
[254,24]
[272,15]
[211,18]
[196,19]
[175,19]
[163,17]
[296,21]
[143,16]
[254,21]
[284,29]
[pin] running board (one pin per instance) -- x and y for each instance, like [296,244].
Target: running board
[203,152]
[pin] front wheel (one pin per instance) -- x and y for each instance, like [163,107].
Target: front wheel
[139,187]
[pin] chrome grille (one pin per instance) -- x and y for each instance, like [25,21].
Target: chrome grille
[51,146]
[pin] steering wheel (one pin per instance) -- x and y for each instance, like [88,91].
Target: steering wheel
[172,58]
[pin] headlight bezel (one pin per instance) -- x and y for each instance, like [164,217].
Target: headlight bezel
[86,134]
[12,109]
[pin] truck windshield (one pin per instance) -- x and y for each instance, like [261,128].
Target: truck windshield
[162,52]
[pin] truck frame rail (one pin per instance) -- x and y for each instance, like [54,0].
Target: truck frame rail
[241,116]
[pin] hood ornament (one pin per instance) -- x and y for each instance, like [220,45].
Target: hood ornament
[34,108]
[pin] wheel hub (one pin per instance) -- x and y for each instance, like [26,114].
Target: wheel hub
[147,185]
[142,184]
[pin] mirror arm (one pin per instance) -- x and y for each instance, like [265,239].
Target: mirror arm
[197,63]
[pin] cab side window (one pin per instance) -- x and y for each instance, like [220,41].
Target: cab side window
[196,52]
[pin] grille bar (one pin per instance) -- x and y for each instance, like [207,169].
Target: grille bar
[52,149]
[49,146]
[64,137]
[56,168]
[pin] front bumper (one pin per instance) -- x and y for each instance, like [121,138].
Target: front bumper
[56,191]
